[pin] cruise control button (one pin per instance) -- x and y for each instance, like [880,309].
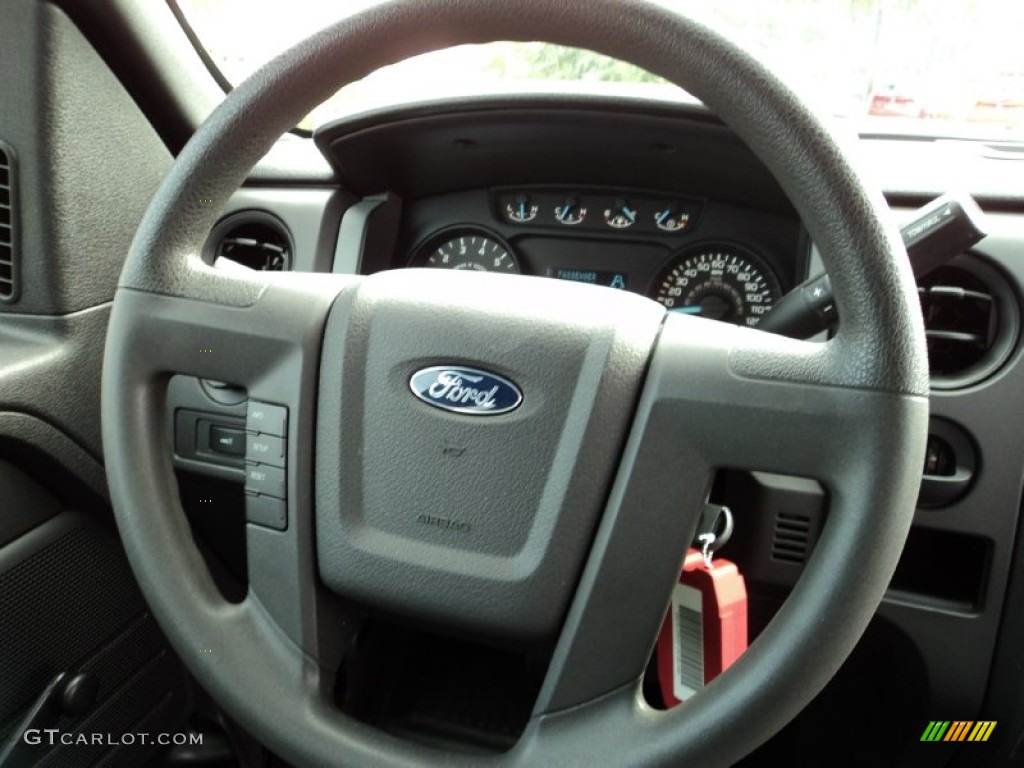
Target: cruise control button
[227,440]
[266,511]
[259,478]
[265,449]
[266,418]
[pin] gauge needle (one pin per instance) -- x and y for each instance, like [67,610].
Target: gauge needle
[694,310]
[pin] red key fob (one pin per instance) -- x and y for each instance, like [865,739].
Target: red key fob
[706,627]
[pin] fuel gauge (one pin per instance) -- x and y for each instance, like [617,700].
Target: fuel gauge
[521,209]
[621,215]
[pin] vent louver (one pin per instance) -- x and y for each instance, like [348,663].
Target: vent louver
[8,226]
[969,323]
[252,239]
[791,540]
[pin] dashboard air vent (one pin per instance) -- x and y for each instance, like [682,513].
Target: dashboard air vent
[791,541]
[8,226]
[252,239]
[970,320]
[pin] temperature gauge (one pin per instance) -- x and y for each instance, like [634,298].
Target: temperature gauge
[521,209]
[621,215]
[673,219]
[571,212]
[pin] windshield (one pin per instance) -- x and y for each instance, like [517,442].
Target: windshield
[909,67]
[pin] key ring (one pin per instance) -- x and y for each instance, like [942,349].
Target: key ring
[710,541]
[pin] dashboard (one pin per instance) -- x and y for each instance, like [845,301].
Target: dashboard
[567,193]
[664,201]
[659,199]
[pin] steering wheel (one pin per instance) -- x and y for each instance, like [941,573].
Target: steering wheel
[566,518]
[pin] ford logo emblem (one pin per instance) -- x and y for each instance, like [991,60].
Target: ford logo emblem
[465,390]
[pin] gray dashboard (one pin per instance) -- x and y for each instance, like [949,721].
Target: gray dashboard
[414,179]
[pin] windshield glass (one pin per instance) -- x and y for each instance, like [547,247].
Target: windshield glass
[911,67]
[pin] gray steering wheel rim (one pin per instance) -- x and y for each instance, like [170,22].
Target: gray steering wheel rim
[879,348]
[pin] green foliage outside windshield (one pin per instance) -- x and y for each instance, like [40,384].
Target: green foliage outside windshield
[543,61]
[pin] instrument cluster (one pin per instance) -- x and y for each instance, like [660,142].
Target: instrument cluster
[645,243]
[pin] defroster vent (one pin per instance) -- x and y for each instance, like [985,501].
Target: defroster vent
[8,226]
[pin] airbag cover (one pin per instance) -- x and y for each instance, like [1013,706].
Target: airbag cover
[460,503]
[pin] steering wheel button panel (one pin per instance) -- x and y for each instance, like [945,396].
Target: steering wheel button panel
[264,479]
[266,511]
[267,419]
[266,449]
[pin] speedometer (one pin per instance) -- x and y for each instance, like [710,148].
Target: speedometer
[719,281]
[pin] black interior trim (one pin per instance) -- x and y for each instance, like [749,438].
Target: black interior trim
[193,38]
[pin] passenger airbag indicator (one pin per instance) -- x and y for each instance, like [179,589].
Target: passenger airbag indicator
[590,276]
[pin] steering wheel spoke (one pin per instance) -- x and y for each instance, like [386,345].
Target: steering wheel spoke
[271,348]
[716,397]
[741,399]
[194,333]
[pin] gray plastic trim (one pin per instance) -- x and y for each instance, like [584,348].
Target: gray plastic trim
[348,255]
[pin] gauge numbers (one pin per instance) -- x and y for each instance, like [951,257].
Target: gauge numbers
[469,250]
[719,282]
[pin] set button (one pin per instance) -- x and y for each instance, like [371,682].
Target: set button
[265,449]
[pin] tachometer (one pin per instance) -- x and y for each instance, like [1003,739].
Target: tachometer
[469,249]
[723,282]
